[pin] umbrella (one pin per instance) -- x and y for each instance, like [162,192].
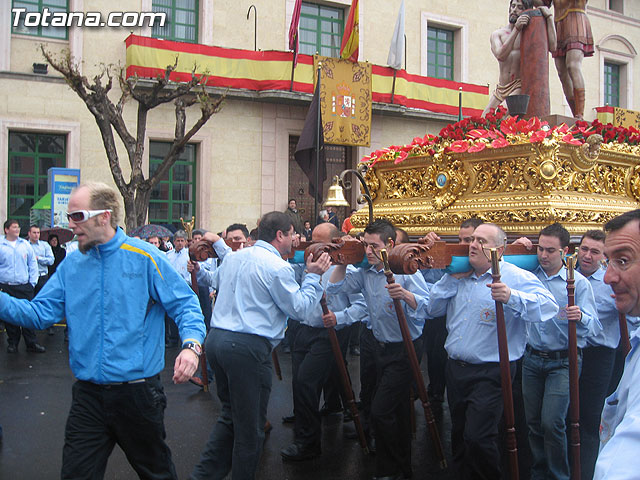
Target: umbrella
[64,234]
[146,231]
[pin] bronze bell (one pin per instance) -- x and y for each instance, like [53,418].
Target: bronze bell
[335,196]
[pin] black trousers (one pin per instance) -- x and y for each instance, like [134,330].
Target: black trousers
[390,409]
[475,403]
[13,331]
[368,377]
[332,391]
[597,367]
[242,366]
[313,361]
[42,279]
[434,337]
[131,415]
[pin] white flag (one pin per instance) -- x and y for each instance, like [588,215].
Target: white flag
[396,51]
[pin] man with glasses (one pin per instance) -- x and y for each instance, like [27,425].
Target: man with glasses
[473,370]
[390,409]
[545,369]
[114,295]
[18,277]
[598,355]
[620,427]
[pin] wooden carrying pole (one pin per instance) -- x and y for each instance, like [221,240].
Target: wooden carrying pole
[188,227]
[344,377]
[574,397]
[624,334]
[203,356]
[505,374]
[415,367]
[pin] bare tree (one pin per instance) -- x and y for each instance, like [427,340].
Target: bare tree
[136,193]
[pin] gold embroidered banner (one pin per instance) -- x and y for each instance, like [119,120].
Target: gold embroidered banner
[345,101]
[619,117]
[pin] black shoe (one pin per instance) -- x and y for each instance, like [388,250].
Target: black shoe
[355,351]
[36,348]
[12,349]
[296,453]
[327,410]
[289,419]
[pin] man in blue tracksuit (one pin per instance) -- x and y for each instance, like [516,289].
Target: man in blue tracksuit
[114,294]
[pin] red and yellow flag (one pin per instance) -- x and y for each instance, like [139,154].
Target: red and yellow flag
[351,35]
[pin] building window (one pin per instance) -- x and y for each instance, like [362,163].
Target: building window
[31,6]
[612,84]
[175,196]
[181,24]
[440,48]
[31,155]
[616,5]
[321,29]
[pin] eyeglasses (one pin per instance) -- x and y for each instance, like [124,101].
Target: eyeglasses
[619,264]
[81,216]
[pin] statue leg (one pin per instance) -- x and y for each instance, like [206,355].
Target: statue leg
[565,80]
[574,67]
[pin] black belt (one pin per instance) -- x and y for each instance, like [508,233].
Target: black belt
[552,355]
[128,382]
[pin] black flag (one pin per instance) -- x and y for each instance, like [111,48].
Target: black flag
[306,150]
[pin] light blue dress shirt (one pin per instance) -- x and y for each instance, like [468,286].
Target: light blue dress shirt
[44,256]
[554,335]
[382,314]
[609,336]
[18,264]
[178,260]
[257,291]
[347,308]
[620,425]
[471,313]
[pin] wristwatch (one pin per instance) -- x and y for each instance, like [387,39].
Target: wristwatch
[194,347]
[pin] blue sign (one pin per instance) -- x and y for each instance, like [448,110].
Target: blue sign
[61,182]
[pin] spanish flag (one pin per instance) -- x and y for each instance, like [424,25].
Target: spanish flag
[351,37]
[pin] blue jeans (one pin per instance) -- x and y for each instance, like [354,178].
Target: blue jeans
[545,388]
[242,367]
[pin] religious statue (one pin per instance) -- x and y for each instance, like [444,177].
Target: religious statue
[505,46]
[575,41]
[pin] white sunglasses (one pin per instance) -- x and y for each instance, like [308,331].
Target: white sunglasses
[81,216]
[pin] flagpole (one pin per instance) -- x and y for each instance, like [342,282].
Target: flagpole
[319,122]
[293,65]
[393,87]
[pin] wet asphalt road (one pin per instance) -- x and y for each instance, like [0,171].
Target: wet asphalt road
[35,395]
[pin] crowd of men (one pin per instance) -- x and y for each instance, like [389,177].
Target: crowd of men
[245,299]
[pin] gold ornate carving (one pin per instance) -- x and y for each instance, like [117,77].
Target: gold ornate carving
[443,182]
[372,182]
[500,176]
[522,187]
[585,157]
[634,184]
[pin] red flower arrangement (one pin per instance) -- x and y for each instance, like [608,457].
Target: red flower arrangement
[498,130]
